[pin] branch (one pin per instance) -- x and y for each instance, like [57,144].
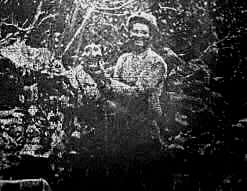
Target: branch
[107,13]
[167,8]
[31,184]
[19,181]
[47,17]
[88,14]
[31,26]
[117,2]
[75,14]
[103,10]
[214,44]
[37,15]
[23,24]
[81,4]
[115,8]
[16,26]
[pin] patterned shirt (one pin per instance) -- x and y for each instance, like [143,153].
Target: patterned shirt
[141,74]
[83,82]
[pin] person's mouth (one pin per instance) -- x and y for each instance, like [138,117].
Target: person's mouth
[138,42]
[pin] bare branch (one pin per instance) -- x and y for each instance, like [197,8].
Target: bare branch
[16,26]
[75,14]
[214,44]
[167,8]
[115,8]
[21,181]
[28,29]
[229,36]
[107,13]
[88,14]
[47,17]
[37,15]
[81,4]
[23,24]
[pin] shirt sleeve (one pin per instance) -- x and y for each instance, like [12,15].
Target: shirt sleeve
[152,81]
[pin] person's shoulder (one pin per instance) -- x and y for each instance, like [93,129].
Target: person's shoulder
[155,56]
[122,59]
[78,67]
[125,55]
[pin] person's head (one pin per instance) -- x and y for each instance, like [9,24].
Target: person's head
[92,54]
[141,27]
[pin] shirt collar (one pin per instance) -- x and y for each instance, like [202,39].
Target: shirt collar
[142,54]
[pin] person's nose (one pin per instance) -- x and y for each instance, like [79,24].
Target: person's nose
[94,54]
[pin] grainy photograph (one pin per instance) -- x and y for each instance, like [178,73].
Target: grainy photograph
[120,95]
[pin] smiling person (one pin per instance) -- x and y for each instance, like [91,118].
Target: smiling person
[137,85]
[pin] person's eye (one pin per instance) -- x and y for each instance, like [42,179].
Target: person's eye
[144,32]
[87,50]
[95,50]
[134,31]
[57,66]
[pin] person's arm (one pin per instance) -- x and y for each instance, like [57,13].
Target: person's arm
[152,80]
[120,88]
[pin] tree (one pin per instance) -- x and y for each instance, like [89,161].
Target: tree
[200,41]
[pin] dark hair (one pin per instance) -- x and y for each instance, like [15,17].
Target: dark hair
[139,20]
[144,18]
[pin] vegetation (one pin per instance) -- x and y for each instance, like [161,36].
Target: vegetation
[204,99]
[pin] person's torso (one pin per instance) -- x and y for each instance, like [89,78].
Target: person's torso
[84,83]
[137,67]
[138,70]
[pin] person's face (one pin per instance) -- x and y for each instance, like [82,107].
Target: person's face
[92,55]
[92,51]
[140,35]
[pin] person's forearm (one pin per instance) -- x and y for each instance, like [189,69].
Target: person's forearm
[124,89]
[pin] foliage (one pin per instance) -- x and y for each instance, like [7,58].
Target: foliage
[200,40]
